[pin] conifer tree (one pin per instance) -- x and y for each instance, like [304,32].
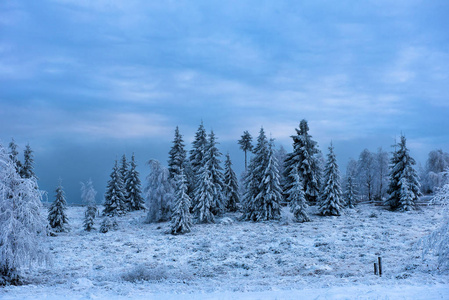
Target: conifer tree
[297,201]
[124,166]
[13,155]
[231,188]
[331,200]
[245,145]
[181,221]
[159,193]
[27,167]
[212,162]
[133,187]
[57,216]
[404,187]
[204,196]
[196,160]
[305,157]
[88,194]
[23,228]
[114,197]
[177,155]
[350,195]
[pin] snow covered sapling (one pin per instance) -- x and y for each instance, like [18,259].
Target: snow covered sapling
[331,201]
[350,195]
[114,197]
[133,187]
[159,193]
[404,187]
[296,199]
[88,194]
[181,221]
[231,188]
[57,216]
[23,228]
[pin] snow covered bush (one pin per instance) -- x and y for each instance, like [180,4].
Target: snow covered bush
[23,228]
[57,216]
[107,224]
[146,273]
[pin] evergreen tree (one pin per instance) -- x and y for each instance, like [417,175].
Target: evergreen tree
[245,145]
[159,193]
[57,216]
[198,150]
[305,157]
[212,162]
[177,155]
[27,167]
[297,201]
[88,194]
[331,201]
[350,195]
[404,187]
[231,188]
[204,196]
[23,228]
[124,166]
[114,197]
[13,155]
[181,220]
[133,187]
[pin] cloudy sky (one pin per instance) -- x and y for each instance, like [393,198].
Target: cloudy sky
[85,81]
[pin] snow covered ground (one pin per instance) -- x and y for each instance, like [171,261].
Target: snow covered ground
[328,258]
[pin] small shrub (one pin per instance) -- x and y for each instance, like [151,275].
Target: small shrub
[145,273]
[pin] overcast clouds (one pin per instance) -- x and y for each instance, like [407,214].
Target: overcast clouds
[85,81]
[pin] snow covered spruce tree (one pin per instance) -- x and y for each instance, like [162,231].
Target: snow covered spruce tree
[133,188]
[297,201]
[114,197]
[196,158]
[124,166]
[27,170]
[212,162]
[204,196]
[404,187]
[57,216]
[159,193]
[23,228]
[350,194]
[305,157]
[231,188]
[88,194]
[181,221]
[263,192]
[331,200]
[245,145]
[177,155]
[13,155]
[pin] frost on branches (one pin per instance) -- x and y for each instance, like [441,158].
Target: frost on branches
[404,187]
[212,163]
[133,187]
[23,228]
[114,198]
[181,221]
[296,199]
[159,193]
[438,241]
[350,195]
[231,188]
[57,216]
[88,194]
[331,201]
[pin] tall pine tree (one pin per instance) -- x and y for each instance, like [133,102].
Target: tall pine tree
[196,160]
[204,196]
[27,170]
[133,187]
[231,188]
[245,145]
[57,216]
[177,155]
[181,221]
[114,197]
[404,187]
[212,162]
[124,166]
[331,200]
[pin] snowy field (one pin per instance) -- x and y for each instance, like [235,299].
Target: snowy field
[328,258]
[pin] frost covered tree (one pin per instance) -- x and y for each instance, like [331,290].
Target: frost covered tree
[13,155]
[305,157]
[297,201]
[231,187]
[124,166]
[366,173]
[331,200]
[27,170]
[177,155]
[181,221]
[23,228]
[381,176]
[434,174]
[245,145]
[350,193]
[57,216]
[404,187]
[204,196]
[212,162]
[114,198]
[133,188]
[196,160]
[88,194]
[159,193]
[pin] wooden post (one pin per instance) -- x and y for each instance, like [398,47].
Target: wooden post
[380,265]
[375,268]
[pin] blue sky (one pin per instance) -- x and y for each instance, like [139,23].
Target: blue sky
[86,81]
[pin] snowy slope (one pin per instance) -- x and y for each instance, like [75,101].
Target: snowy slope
[328,258]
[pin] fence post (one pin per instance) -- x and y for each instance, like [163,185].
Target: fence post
[380,265]
[375,268]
